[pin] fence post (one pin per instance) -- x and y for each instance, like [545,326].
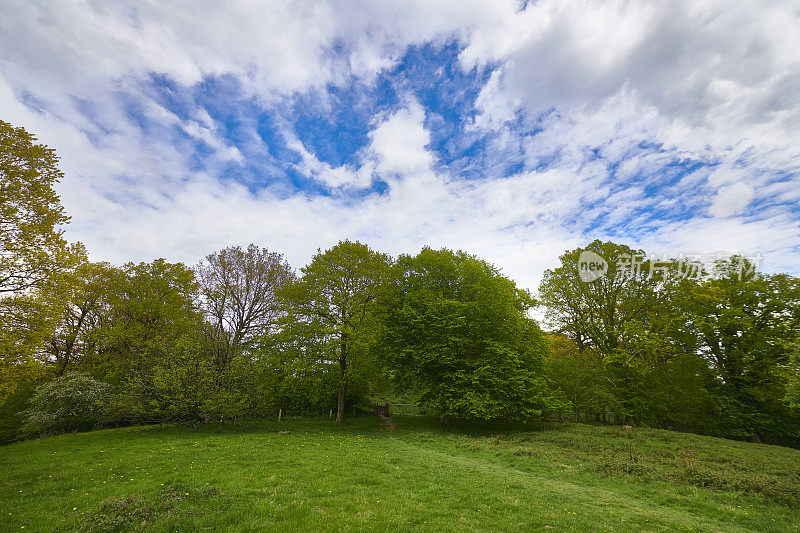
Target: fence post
[280,412]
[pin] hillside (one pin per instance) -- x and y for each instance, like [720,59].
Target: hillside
[411,476]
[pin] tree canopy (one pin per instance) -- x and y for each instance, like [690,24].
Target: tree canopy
[459,333]
[32,245]
[333,301]
[632,339]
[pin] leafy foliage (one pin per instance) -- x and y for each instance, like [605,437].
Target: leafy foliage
[240,336]
[331,306]
[33,252]
[459,333]
[31,243]
[76,402]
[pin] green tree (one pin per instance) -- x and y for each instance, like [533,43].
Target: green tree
[625,315]
[181,382]
[150,337]
[459,334]
[150,306]
[83,296]
[579,377]
[32,246]
[607,312]
[741,323]
[34,256]
[332,303]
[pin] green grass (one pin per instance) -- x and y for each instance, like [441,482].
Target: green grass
[414,477]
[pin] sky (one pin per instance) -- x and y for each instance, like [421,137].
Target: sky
[511,130]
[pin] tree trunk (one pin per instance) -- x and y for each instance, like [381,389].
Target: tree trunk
[340,406]
[70,346]
[342,379]
[446,421]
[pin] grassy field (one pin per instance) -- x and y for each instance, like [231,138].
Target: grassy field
[414,476]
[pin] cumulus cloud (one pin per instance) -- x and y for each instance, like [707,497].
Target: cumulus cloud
[626,120]
[399,143]
[731,200]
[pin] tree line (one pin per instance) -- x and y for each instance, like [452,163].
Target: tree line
[242,334]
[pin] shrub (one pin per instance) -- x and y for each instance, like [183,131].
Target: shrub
[76,402]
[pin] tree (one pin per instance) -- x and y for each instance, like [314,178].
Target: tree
[33,252]
[742,324]
[459,333]
[607,312]
[83,298]
[238,289]
[623,314]
[150,308]
[333,301]
[34,256]
[32,246]
[578,375]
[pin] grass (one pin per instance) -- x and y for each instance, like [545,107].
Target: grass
[414,477]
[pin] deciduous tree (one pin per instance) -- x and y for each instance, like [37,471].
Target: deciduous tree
[32,245]
[459,333]
[333,301]
[239,295]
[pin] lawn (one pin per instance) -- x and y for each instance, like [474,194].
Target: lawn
[414,476]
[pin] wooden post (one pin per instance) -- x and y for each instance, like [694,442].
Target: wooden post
[354,411]
[280,412]
[330,415]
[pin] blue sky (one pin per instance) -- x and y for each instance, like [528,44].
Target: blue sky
[513,131]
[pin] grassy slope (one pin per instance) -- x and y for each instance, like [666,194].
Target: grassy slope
[415,477]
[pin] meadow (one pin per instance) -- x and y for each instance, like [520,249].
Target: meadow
[407,475]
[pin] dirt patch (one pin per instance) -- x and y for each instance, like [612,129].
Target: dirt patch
[390,425]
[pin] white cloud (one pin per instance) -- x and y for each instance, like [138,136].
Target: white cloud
[399,143]
[731,200]
[717,82]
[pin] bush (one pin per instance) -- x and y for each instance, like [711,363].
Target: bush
[76,402]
